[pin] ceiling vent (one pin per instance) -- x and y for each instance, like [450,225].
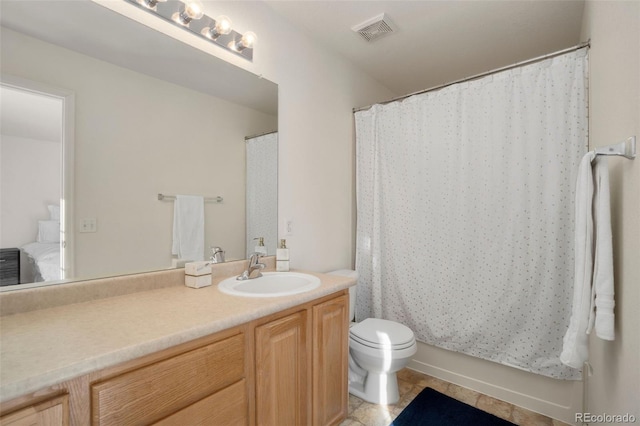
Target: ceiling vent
[375,28]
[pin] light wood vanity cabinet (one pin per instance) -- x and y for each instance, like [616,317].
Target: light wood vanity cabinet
[289,368]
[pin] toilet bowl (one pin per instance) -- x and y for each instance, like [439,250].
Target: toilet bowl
[378,349]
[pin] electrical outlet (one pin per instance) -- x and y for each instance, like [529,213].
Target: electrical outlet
[89,225]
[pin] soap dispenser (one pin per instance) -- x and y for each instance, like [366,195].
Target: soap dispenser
[282,257]
[260,248]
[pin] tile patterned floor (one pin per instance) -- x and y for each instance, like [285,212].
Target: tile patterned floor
[411,382]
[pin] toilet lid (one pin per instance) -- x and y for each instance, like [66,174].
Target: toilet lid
[379,333]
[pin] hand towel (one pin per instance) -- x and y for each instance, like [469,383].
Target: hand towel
[575,349]
[188,227]
[602,288]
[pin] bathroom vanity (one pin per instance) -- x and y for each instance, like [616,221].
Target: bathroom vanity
[177,355]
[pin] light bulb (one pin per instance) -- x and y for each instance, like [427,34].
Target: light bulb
[193,9]
[223,25]
[248,39]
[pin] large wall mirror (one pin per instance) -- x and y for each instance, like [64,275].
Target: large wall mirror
[151,115]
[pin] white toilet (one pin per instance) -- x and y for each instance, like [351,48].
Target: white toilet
[377,350]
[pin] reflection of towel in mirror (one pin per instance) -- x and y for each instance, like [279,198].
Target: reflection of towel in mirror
[188,227]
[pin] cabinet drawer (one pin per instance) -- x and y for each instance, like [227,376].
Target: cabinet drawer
[158,390]
[52,412]
[225,407]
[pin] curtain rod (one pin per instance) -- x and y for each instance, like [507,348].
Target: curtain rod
[246,138]
[484,74]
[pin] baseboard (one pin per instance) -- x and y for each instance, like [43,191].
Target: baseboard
[564,411]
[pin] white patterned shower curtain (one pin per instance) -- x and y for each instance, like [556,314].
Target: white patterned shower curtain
[262,191]
[465,200]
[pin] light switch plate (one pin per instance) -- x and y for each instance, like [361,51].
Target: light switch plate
[89,225]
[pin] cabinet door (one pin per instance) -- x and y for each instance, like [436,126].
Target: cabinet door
[53,412]
[330,361]
[282,371]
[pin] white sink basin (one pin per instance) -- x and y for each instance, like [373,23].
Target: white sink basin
[271,284]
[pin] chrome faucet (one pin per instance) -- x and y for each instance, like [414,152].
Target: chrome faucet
[217,255]
[254,264]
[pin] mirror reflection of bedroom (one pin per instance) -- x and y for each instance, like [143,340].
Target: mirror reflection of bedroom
[31,186]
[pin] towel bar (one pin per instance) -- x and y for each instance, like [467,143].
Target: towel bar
[162,197]
[625,148]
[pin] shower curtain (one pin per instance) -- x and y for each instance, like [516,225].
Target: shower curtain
[262,191]
[465,209]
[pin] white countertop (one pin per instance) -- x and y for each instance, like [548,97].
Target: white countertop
[48,346]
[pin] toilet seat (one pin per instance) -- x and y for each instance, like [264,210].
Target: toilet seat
[373,345]
[382,334]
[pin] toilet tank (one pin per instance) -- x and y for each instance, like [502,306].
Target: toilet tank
[352,290]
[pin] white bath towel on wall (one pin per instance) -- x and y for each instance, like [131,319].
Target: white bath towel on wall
[593,292]
[575,348]
[602,287]
[188,227]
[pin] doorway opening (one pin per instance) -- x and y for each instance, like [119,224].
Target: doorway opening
[36,167]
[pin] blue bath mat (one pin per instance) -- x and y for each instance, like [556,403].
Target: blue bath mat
[431,408]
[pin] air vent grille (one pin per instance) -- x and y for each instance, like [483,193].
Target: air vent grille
[375,28]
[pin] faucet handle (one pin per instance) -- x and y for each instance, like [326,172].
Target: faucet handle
[255,257]
[254,262]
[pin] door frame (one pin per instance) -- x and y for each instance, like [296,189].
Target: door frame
[67,157]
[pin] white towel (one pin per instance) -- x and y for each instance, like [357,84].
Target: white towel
[593,278]
[575,350]
[188,227]
[602,287]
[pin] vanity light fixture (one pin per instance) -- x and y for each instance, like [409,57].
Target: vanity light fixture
[189,15]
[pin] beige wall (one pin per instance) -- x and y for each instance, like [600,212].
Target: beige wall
[614,115]
[135,137]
